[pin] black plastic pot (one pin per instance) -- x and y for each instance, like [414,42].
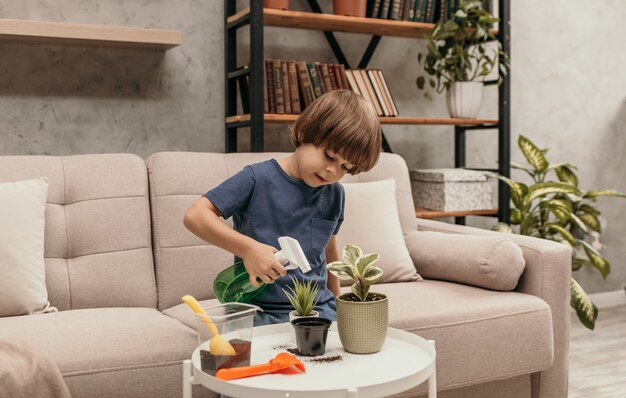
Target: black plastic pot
[311,334]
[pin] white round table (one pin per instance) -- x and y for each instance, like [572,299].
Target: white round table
[405,361]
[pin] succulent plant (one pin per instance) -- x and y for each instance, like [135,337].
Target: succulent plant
[302,296]
[358,267]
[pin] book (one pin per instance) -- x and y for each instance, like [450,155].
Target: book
[286,89]
[377,90]
[269,76]
[278,87]
[353,86]
[406,10]
[378,83]
[342,74]
[375,9]
[394,10]
[384,9]
[370,90]
[317,90]
[333,76]
[328,85]
[294,87]
[339,78]
[387,92]
[306,87]
[318,72]
[266,105]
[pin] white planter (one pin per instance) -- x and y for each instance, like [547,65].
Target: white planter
[293,315]
[464,99]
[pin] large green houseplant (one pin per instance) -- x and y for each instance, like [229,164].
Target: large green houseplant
[460,53]
[362,316]
[560,211]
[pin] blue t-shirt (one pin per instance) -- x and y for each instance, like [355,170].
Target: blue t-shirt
[266,203]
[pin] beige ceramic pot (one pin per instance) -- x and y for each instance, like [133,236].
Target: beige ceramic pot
[362,325]
[352,8]
[277,4]
[464,99]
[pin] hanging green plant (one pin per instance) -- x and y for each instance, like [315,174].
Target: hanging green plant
[560,211]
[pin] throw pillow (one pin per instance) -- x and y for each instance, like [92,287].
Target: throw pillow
[22,268]
[371,222]
[492,262]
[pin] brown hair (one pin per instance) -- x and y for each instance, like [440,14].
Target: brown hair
[345,123]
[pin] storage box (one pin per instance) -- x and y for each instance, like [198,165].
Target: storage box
[451,189]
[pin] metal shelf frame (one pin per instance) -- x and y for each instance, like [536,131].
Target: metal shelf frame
[248,81]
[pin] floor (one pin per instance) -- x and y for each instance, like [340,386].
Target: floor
[598,358]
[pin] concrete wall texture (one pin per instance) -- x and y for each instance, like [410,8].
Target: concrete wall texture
[567,92]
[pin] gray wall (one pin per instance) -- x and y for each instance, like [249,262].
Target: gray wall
[567,91]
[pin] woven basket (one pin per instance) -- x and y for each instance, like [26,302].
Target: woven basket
[362,325]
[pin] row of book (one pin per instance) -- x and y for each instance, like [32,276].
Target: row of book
[290,86]
[416,10]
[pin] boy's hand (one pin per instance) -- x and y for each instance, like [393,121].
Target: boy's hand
[261,263]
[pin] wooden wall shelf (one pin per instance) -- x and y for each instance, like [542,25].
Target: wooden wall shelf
[284,119]
[57,33]
[427,213]
[338,23]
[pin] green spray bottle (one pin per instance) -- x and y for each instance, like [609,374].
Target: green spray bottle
[233,284]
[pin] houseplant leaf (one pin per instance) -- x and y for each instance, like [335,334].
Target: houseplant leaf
[603,192]
[564,233]
[596,259]
[351,253]
[546,188]
[591,220]
[567,175]
[342,270]
[585,309]
[533,155]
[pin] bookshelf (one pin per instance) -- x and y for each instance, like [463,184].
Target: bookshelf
[58,33]
[247,82]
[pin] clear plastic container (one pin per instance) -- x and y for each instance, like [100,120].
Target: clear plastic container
[234,321]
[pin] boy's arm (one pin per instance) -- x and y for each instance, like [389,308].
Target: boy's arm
[202,218]
[332,254]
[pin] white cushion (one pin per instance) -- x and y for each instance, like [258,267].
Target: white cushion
[22,268]
[371,222]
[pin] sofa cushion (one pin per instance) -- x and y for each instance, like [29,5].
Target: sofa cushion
[492,262]
[109,352]
[22,269]
[371,222]
[97,228]
[476,331]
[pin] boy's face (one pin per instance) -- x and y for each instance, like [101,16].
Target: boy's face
[318,166]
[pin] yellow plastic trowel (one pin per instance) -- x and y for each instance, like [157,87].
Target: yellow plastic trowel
[218,344]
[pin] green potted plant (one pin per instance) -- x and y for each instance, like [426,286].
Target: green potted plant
[362,316]
[460,53]
[303,298]
[560,211]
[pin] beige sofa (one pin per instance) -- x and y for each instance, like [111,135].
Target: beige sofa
[118,259]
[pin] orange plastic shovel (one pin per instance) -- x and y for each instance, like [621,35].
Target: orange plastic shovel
[282,363]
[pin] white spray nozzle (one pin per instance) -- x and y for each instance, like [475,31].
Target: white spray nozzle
[291,252]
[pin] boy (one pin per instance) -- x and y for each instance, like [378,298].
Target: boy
[298,196]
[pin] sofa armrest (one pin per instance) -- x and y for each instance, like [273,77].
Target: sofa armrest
[547,275]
